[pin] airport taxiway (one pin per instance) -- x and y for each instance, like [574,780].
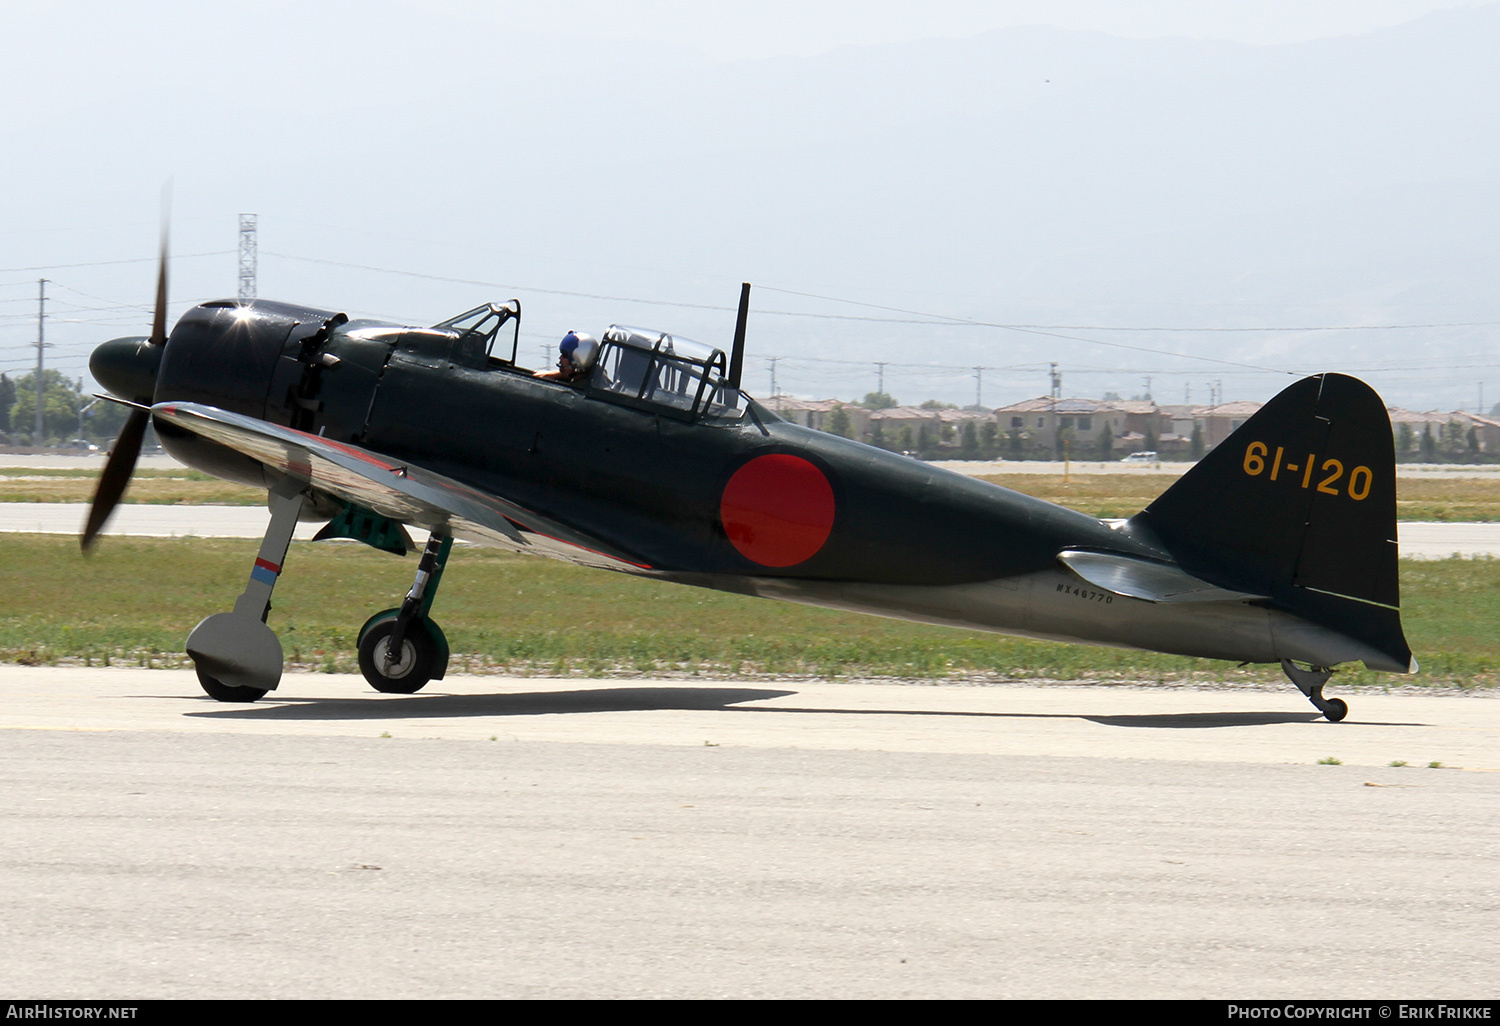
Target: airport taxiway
[1418,540]
[503,837]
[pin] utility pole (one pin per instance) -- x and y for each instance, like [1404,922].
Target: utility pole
[41,344]
[880,377]
[1056,395]
[773,360]
[978,385]
[248,251]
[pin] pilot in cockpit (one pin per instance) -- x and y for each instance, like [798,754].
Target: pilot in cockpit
[577,353]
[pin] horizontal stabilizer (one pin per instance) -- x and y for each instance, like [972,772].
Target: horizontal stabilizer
[1144,579]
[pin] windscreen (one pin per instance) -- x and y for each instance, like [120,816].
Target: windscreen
[479,328]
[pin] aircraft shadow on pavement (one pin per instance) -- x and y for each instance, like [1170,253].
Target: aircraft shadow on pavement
[705,699]
[533,703]
[1198,720]
[1235,719]
[1207,719]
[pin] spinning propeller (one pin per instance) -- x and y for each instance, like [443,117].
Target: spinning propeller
[130,363]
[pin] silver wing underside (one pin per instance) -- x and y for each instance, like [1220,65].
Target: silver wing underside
[402,491]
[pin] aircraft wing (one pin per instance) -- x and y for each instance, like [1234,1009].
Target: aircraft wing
[401,491]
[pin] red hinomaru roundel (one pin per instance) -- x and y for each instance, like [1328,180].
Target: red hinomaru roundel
[777,510]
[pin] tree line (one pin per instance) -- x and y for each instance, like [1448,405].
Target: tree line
[1455,442]
[67,412]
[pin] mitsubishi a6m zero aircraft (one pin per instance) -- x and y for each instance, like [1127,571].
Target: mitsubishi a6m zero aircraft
[1278,547]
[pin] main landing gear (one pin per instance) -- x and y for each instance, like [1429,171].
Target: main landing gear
[400,650]
[239,658]
[1310,682]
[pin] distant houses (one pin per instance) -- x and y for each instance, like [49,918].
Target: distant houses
[1099,429]
[1081,428]
[1444,437]
[820,414]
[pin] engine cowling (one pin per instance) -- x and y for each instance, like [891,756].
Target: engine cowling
[241,357]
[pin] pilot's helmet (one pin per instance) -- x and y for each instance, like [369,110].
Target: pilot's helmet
[580,349]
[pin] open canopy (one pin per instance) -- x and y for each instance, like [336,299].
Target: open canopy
[669,374]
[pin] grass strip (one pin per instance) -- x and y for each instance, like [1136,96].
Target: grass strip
[153,487]
[134,601]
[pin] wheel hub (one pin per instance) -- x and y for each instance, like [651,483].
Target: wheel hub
[395,668]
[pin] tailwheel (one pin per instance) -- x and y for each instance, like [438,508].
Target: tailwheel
[405,671]
[221,692]
[1310,682]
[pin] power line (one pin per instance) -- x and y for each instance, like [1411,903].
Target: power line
[1036,331]
[891,363]
[1116,327]
[498,285]
[931,318]
[1313,327]
[102,299]
[924,317]
[107,263]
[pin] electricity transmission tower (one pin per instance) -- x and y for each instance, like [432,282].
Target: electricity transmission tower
[247,257]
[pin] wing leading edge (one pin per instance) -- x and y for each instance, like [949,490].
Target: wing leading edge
[402,491]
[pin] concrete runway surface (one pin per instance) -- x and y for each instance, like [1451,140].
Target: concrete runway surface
[675,838]
[142,520]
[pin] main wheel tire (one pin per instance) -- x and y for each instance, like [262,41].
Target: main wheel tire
[221,692]
[412,669]
[1335,709]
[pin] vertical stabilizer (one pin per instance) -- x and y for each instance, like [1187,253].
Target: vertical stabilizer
[1300,504]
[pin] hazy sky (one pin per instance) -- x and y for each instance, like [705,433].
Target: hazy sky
[79,48]
[276,107]
[762,28]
